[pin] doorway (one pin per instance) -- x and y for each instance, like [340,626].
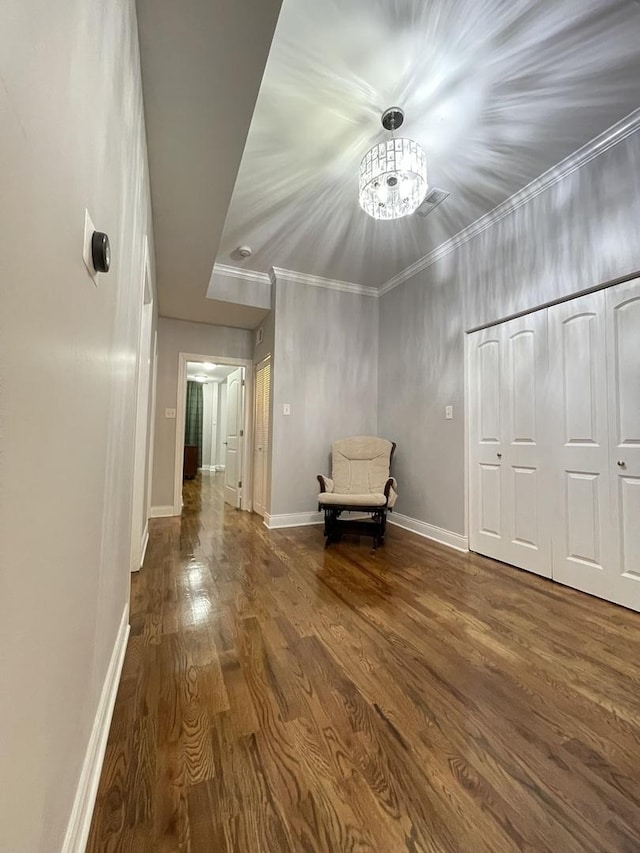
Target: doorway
[261,437]
[213,437]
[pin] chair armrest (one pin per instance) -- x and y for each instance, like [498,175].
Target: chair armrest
[390,491]
[391,483]
[326,483]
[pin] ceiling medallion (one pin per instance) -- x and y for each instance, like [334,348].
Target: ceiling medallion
[393,174]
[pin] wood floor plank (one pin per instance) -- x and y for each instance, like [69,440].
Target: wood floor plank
[277,696]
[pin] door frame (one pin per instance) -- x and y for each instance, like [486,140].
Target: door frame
[144,420]
[246,466]
[257,366]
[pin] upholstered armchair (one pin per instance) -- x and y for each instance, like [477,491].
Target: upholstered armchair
[359,483]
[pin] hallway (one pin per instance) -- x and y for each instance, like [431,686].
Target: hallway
[278,697]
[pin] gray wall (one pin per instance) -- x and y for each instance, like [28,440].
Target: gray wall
[174,337]
[580,232]
[71,136]
[326,367]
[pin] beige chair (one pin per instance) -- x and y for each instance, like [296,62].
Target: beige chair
[360,483]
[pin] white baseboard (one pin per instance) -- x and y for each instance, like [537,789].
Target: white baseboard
[429,531]
[296,519]
[162,512]
[145,542]
[80,821]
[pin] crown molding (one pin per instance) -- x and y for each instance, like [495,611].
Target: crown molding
[615,134]
[245,275]
[318,281]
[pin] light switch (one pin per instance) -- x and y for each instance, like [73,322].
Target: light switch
[448,413]
[286,408]
[169,413]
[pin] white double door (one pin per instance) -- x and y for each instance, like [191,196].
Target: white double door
[555,443]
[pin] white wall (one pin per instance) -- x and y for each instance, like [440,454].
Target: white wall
[174,337]
[579,233]
[71,136]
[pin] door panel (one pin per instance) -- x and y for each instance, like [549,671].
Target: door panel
[489,390]
[524,461]
[623,361]
[525,492]
[522,390]
[629,529]
[490,500]
[507,505]
[578,418]
[583,510]
[485,431]
[233,438]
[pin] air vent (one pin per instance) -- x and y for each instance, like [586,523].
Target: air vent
[433,198]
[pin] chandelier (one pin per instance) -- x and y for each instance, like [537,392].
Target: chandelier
[393,174]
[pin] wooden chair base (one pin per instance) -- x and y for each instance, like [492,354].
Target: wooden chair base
[335,526]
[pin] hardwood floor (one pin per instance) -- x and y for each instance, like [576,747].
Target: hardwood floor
[278,697]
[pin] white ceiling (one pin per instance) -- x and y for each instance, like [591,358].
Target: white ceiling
[215,372]
[497,91]
[202,63]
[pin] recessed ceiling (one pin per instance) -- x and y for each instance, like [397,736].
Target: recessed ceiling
[497,92]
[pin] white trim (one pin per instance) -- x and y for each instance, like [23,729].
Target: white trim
[615,134]
[145,542]
[80,820]
[143,547]
[429,531]
[317,281]
[245,275]
[247,450]
[296,519]
[163,512]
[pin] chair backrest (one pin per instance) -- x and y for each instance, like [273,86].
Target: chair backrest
[360,465]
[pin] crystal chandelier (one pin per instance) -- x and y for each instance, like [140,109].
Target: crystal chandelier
[393,174]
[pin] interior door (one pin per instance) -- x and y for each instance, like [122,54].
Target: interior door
[623,365]
[509,512]
[486,516]
[261,437]
[581,525]
[233,438]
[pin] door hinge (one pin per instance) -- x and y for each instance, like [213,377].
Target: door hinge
[241,433]
[240,484]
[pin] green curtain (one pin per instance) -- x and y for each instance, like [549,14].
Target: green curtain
[193,418]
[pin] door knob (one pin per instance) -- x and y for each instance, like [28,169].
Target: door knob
[621,463]
[225,442]
[499,455]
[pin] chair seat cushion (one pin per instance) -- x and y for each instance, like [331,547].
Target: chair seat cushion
[333,499]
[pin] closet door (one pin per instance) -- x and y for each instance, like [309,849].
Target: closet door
[577,414]
[623,365]
[509,508]
[486,499]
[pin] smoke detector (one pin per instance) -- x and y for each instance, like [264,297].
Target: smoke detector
[245,251]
